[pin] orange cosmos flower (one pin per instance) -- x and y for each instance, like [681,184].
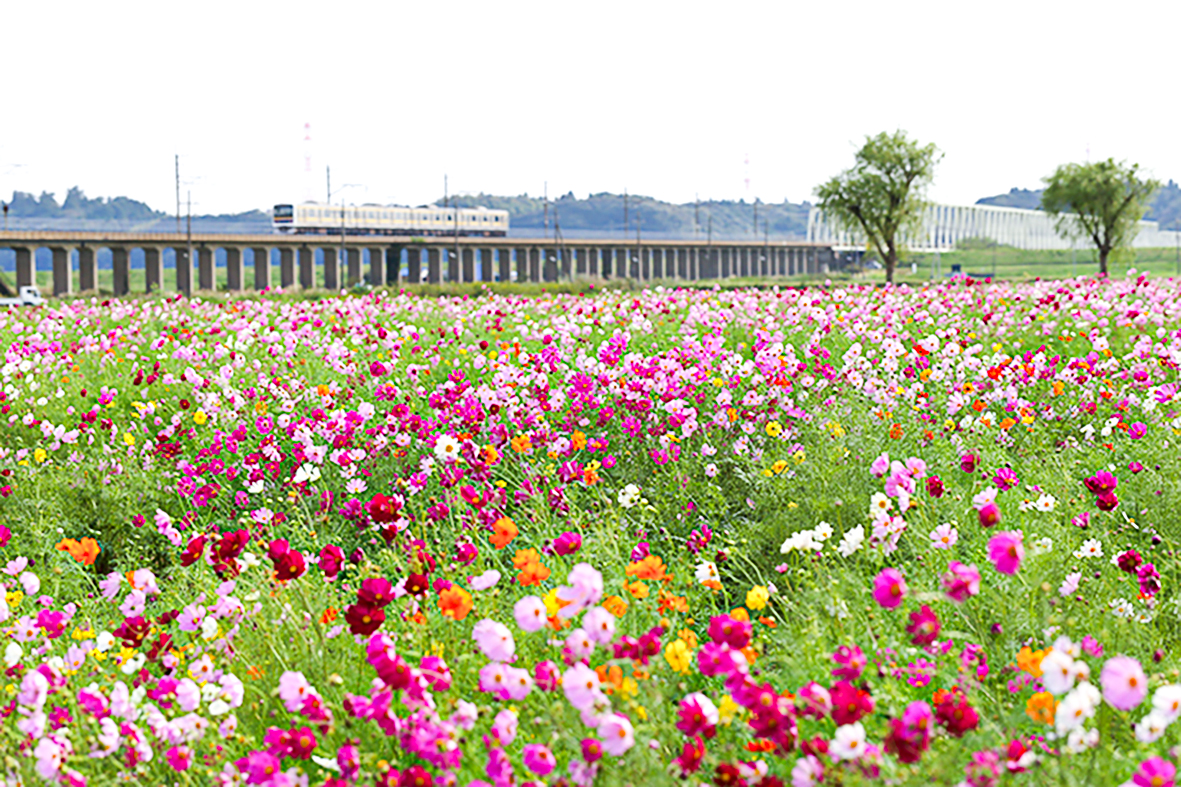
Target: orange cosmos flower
[84,551]
[455,603]
[328,616]
[1031,661]
[504,531]
[615,605]
[651,567]
[528,562]
[1041,707]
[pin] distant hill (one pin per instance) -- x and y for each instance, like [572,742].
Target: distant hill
[1165,208]
[604,212]
[78,211]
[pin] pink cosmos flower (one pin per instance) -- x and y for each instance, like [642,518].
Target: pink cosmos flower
[617,734]
[1006,551]
[486,580]
[538,759]
[889,588]
[293,690]
[880,465]
[530,613]
[585,589]
[1124,683]
[960,581]
[504,727]
[494,639]
[989,515]
[1137,430]
[944,536]
[581,686]
[568,543]
[599,625]
[579,645]
[517,683]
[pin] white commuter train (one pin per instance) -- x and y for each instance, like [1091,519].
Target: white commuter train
[314,218]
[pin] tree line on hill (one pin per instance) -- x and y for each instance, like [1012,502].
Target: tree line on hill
[625,213]
[77,205]
[1165,207]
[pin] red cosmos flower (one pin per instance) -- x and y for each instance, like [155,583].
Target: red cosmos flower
[376,592]
[849,703]
[193,551]
[417,584]
[331,560]
[132,631]
[956,715]
[905,747]
[364,619]
[727,775]
[383,509]
[690,758]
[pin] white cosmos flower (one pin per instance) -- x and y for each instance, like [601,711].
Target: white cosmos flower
[307,472]
[849,742]
[1151,727]
[1092,547]
[447,449]
[851,541]
[706,571]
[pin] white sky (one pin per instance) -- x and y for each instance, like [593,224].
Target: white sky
[665,99]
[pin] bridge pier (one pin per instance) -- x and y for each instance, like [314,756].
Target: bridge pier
[413,265]
[153,268]
[307,267]
[468,268]
[233,268]
[184,271]
[534,257]
[262,268]
[353,256]
[504,264]
[377,265]
[87,269]
[205,268]
[26,265]
[62,273]
[287,266]
[434,266]
[331,268]
[120,270]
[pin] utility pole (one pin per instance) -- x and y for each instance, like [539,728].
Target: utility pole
[328,174]
[756,224]
[177,162]
[189,232]
[445,191]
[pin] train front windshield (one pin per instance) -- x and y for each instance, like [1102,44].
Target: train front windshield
[284,212]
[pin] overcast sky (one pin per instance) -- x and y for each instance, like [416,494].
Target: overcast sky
[669,100]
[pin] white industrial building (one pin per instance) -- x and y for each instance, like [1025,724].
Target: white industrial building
[945,226]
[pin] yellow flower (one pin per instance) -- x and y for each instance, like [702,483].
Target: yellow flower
[727,710]
[629,688]
[199,418]
[551,603]
[774,429]
[678,656]
[799,456]
[39,455]
[14,598]
[779,467]
[81,634]
[757,597]
[128,438]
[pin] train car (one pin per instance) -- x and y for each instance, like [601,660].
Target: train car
[313,218]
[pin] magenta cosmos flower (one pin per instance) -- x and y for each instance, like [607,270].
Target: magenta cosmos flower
[1006,551]
[889,588]
[1155,772]
[538,759]
[1123,681]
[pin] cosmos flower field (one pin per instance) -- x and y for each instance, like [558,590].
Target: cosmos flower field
[822,536]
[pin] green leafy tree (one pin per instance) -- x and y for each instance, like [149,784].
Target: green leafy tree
[883,195]
[1100,203]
